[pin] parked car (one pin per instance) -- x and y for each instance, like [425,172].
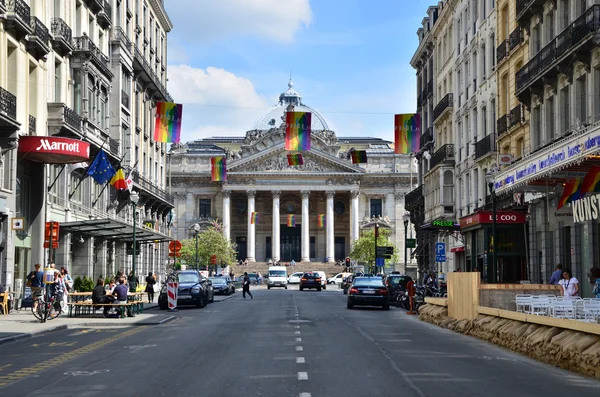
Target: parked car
[253,278]
[395,279]
[368,291]
[193,289]
[294,278]
[310,281]
[323,278]
[222,285]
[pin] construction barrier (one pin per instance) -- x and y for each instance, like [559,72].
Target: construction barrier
[172,294]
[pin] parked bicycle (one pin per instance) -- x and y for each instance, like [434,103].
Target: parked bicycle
[46,307]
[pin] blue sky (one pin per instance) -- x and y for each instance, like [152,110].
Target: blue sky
[230,59]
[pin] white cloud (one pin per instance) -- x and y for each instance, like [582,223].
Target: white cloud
[215,101]
[209,20]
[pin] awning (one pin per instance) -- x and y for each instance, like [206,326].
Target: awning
[112,229]
[53,150]
[457,249]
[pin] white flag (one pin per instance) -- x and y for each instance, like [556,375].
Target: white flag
[129,182]
[78,166]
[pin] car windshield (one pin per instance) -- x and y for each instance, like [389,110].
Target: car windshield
[218,280]
[187,278]
[367,282]
[395,280]
[277,273]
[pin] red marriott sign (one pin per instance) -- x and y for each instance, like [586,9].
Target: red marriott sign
[53,150]
[485,217]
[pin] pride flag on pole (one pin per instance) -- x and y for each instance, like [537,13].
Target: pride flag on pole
[297,131]
[168,122]
[291,220]
[571,192]
[359,156]
[407,133]
[218,169]
[321,220]
[591,182]
[254,217]
[295,159]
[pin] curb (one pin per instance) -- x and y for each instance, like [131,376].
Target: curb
[141,323]
[18,337]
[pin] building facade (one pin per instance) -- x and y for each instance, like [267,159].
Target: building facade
[353,197]
[90,71]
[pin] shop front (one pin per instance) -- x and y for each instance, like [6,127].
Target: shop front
[511,246]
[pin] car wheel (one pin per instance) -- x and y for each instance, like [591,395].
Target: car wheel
[349,305]
[268,287]
[318,288]
[286,287]
[212,299]
[201,303]
[324,287]
[301,289]
[386,307]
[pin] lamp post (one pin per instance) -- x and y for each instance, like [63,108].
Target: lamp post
[406,219]
[134,197]
[197,230]
[489,178]
[376,236]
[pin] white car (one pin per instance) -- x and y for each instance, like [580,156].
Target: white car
[323,278]
[338,278]
[294,278]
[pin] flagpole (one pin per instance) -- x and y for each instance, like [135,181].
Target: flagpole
[56,179]
[106,185]
[84,174]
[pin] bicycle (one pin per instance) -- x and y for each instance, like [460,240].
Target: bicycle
[46,310]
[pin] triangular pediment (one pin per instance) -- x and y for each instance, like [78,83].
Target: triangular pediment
[274,160]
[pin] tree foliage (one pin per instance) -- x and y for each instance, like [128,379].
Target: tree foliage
[210,242]
[363,249]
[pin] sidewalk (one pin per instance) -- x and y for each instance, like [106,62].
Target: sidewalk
[21,324]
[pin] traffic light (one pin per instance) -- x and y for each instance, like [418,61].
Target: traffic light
[347,261]
[376,230]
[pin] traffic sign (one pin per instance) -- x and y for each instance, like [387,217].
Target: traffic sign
[411,243]
[385,251]
[213,260]
[175,245]
[379,262]
[440,252]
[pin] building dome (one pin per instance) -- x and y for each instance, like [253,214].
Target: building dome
[275,116]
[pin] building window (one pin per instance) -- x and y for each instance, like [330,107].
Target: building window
[339,207]
[448,193]
[565,110]
[57,84]
[596,95]
[550,125]
[376,207]
[493,107]
[536,40]
[520,148]
[536,127]
[581,99]
[484,121]
[204,208]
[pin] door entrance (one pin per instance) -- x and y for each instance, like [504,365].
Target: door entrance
[340,248]
[290,243]
[242,248]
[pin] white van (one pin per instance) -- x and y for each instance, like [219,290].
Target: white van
[277,277]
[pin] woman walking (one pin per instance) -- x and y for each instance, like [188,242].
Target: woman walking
[150,281]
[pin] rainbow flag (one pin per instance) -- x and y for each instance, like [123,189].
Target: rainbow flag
[591,182]
[297,131]
[218,169]
[359,156]
[295,159]
[321,220]
[571,193]
[254,217]
[168,122]
[291,220]
[407,133]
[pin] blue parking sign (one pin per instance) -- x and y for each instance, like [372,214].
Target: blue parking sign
[440,252]
[379,262]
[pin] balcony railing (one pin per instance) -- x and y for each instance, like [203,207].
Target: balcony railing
[424,94]
[19,16]
[430,87]
[105,15]
[113,144]
[447,102]
[515,38]
[502,124]
[419,101]
[582,29]
[62,36]
[124,99]
[8,104]
[485,145]
[151,188]
[444,154]
[526,8]
[502,51]
[414,198]
[72,118]
[39,38]
[427,136]
[150,74]
[120,35]
[32,124]
[516,115]
[85,45]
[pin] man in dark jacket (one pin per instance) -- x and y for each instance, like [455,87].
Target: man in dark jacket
[99,296]
[246,286]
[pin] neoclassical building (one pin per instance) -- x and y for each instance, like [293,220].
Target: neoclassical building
[352,196]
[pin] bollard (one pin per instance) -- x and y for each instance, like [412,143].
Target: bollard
[172,288]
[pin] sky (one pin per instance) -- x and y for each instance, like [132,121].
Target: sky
[228,61]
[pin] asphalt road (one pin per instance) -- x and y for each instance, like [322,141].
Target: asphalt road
[281,343]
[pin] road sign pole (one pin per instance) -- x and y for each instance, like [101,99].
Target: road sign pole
[376,235]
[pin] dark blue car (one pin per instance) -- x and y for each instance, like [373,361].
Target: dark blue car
[192,289]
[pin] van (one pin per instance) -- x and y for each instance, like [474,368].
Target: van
[277,277]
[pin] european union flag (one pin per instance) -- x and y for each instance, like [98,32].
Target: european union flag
[101,169]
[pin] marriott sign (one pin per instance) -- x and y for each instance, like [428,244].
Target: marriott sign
[53,150]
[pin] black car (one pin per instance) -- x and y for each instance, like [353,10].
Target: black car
[222,285]
[310,280]
[368,291]
[193,289]
[397,280]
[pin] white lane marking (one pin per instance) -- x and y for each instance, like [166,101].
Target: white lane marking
[297,326]
[284,357]
[299,348]
[298,339]
[302,376]
[300,360]
[296,332]
[98,371]
[304,395]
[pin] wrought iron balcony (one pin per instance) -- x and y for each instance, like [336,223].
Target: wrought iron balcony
[502,51]
[515,38]
[427,136]
[9,126]
[95,5]
[148,75]
[2,5]
[61,42]
[444,155]
[446,103]
[18,17]
[85,46]
[114,145]
[148,187]
[105,15]
[424,95]
[430,87]
[414,198]
[485,145]
[577,37]
[32,125]
[502,124]
[419,101]
[63,120]
[120,36]
[516,115]
[124,99]
[526,9]
[39,39]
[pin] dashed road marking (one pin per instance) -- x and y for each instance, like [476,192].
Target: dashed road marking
[296,332]
[297,326]
[302,376]
[298,339]
[304,395]
[300,360]
[299,348]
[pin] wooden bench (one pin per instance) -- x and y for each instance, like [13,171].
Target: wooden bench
[78,308]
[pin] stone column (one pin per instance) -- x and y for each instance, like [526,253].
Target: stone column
[354,217]
[305,227]
[329,221]
[227,214]
[276,235]
[251,240]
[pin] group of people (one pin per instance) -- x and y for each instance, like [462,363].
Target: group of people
[59,287]
[569,285]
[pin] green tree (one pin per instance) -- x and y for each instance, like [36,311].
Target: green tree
[210,242]
[363,249]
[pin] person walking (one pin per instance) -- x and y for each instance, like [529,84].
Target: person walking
[150,281]
[556,276]
[246,286]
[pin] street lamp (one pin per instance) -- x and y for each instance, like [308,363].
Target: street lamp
[406,219]
[134,197]
[197,230]
[489,178]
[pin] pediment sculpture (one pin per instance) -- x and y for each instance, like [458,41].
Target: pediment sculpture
[280,163]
